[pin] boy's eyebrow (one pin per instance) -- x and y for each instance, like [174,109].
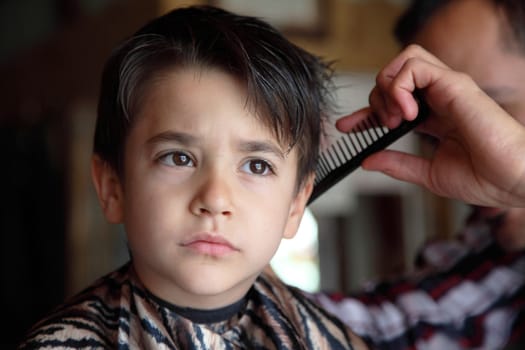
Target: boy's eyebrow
[167,136]
[244,146]
[261,146]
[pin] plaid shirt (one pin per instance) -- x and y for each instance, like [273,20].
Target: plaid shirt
[470,295]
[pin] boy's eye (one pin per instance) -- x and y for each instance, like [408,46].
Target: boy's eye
[177,158]
[257,167]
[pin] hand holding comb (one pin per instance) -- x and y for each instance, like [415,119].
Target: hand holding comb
[348,152]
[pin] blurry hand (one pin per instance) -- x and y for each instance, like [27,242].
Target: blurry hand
[480,151]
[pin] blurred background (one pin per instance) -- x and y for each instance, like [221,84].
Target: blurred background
[54,240]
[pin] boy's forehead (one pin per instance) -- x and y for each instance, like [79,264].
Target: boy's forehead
[164,119]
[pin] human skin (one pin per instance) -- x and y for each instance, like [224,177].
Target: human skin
[469,36]
[207,193]
[478,157]
[472,37]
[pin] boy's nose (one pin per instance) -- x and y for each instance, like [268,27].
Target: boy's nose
[213,196]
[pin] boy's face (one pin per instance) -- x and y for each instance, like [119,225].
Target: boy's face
[208,193]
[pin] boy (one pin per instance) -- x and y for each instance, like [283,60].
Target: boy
[206,141]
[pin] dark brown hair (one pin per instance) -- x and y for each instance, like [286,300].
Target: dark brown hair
[289,87]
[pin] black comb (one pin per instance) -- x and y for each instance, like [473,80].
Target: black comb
[348,152]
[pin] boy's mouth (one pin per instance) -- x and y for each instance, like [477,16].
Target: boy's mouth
[209,244]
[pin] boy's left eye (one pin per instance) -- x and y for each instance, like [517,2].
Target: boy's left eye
[258,167]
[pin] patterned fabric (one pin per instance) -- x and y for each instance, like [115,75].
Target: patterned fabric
[475,301]
[118,313]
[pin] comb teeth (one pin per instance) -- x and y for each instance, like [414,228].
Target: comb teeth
[348,152]
[360,138]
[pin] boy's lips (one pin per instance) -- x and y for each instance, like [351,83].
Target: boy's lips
[209,244]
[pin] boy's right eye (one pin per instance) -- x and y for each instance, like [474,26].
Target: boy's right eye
[176,158]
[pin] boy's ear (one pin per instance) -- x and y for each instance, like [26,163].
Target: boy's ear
[298,206]
[109,189]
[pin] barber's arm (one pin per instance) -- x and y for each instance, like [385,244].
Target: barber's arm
[480,149]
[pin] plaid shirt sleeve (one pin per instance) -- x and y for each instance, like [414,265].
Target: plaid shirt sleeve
[474,300]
